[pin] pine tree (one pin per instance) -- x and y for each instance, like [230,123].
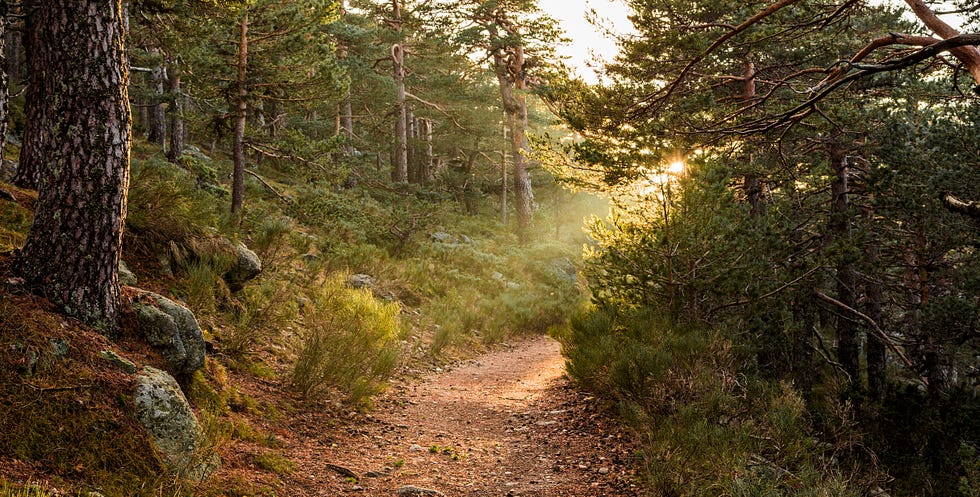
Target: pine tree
[82,139]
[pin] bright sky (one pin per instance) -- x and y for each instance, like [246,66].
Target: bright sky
[587,43]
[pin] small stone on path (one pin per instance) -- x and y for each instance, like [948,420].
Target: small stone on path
[410,491]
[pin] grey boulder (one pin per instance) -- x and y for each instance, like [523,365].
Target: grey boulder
[247,266]
[163,411]
[173,330]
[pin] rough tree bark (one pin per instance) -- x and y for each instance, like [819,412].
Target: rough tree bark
[83,138]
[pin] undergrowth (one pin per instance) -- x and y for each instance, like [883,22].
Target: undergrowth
[349,341]
[707,427]
[66,412]
[443,284]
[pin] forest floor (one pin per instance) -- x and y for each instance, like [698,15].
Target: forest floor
[506,423]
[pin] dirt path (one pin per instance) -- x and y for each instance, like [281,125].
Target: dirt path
[507,423]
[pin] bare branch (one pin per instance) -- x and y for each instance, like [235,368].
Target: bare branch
[438,108]
[970,208]
[878,332]
[265,183]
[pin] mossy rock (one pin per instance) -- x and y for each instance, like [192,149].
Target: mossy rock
[173,330]
[165,413]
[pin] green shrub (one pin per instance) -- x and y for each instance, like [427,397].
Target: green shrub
[164,205]
[264,310]
[15,221]
[350,341]
[275,463]
[706,428]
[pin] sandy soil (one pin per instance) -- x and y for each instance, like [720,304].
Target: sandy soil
[507,423]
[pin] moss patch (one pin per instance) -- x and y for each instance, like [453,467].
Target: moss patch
[67,413]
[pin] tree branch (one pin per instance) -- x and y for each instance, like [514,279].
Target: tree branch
[969,208]
[282,197]
[825,88]
[969,56]
[878,332]
[438,108]
[669,90]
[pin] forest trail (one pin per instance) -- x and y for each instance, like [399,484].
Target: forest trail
[507,423]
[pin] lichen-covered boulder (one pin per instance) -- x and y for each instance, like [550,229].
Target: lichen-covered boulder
[173,330]
[126,277]
[164,412]
[247,266]
[358,281]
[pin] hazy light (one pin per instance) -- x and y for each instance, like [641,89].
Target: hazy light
[588,43]
[676,167]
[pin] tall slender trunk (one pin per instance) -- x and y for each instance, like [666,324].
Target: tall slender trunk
[345,113]
[509,71]
[876,355]
[176,114]
[157,132]
[241,106]
[503,181]
[82,136]
[469,188]
[347,124]
[751,181]
[413,145]
[4,82]
[399,173]
[29,168]
[12,48]
[848,351]
[427,169]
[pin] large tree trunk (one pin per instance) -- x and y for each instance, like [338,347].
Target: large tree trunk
[241,106]
[83,138]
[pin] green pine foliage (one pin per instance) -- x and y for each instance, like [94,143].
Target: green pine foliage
[709,426]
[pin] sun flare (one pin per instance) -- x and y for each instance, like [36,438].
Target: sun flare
[675,167]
